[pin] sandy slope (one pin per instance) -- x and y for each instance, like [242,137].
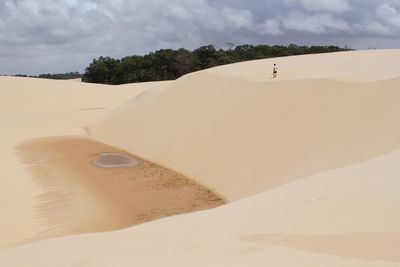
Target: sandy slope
[319,145]
[345,217]
[240,137]
[33,108]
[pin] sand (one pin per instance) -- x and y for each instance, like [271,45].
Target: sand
[344,217]
[308,163]
[82,197]
[272,132]
[33,108]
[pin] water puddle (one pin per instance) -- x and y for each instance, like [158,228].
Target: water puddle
[113,160]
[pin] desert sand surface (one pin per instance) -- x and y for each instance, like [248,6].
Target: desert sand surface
[76,80]
[34,108]
[308,162]
[343,217]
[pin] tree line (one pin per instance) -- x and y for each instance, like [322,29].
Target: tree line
[55,76]
[170,64]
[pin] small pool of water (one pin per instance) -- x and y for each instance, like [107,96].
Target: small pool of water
[114,160]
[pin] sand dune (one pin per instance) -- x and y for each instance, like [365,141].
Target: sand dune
[240,137]
[309,163]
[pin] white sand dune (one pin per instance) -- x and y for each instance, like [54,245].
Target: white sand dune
[240,137]
[310,160]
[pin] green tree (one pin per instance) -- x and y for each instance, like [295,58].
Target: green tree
[169,64]
[102,70]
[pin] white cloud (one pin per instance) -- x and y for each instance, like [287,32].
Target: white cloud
[385,11]
[316,23]
[337,6]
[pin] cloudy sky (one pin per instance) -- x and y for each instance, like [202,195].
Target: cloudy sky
[40,36]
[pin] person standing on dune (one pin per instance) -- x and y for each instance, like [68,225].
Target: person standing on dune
[274,71]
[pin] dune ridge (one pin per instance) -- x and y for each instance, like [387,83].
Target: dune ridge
[355,66]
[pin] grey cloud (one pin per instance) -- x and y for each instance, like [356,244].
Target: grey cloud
[52,36]
[336,6]
[270,27]
[314,23]
[390,12]
[374,28]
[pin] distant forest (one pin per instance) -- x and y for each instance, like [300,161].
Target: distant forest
[57,76]
[169,64]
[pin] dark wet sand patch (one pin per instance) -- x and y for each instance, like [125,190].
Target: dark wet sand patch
[80,196]
[114,160]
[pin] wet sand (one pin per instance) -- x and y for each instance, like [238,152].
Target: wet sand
[114,160]
[80,195]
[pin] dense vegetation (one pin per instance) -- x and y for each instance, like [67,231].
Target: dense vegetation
[57,76]
[169,64]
